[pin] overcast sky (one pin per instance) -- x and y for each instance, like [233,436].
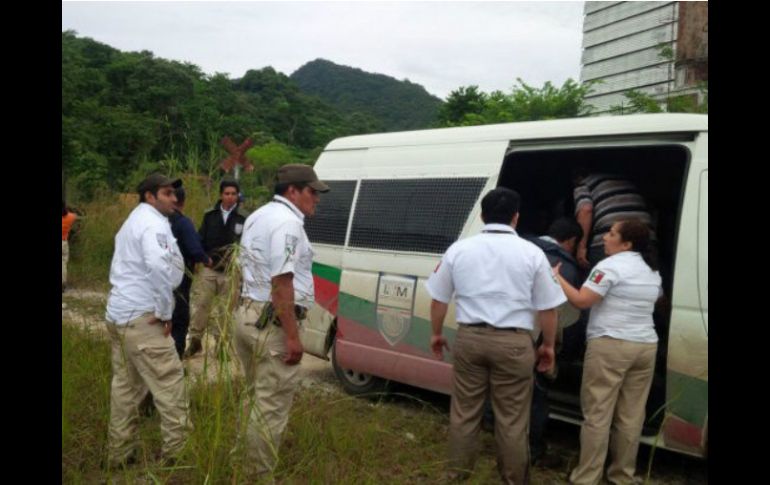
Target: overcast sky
[440,45]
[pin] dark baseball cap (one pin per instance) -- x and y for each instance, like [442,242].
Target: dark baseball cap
[156,180]
[299,173]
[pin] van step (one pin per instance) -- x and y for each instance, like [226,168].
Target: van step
[567,407]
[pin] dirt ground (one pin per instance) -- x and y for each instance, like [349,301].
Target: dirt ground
[86,309]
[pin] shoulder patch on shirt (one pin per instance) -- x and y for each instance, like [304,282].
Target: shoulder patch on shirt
[596,276]
[291,244]
[162,240]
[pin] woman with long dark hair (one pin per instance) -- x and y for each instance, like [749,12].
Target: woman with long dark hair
[620,352]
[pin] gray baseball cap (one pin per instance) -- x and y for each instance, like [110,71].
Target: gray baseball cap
[156,180]
[299,173]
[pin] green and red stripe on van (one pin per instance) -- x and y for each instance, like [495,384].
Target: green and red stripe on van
[361,346]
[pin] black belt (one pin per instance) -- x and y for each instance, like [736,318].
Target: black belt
[486,325]
[268,315]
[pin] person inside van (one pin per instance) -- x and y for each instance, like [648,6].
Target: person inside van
[620,351]
[601,199]
[559,246]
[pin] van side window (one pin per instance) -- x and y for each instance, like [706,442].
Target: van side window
[424,215]
[330,222]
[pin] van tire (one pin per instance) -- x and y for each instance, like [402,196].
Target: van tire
[357,383]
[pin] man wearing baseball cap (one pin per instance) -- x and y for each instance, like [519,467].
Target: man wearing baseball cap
[146,267]
[276,259]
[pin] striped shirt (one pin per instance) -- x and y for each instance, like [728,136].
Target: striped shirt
[612,198]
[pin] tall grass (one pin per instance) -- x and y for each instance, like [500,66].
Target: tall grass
[331,438]
[85,376]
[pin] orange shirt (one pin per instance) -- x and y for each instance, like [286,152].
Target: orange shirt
[66,225]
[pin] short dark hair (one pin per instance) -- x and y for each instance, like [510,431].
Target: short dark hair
[499,206]
[638,234]
[564,229]
[228,183]
[153,191]
[181,195]
[281,188]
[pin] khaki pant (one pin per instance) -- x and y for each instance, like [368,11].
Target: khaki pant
[142,359]
[617,375]
[500,363]
[210,284]
[65,257]
[271,385]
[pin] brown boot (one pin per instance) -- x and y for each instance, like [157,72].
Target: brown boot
[194,347]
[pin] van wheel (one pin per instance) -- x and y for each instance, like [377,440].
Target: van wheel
[357,383]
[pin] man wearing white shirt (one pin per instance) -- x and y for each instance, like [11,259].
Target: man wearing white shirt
[146,267]
[501,284]
[276,263]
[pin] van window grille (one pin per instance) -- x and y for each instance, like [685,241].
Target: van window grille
[423,215]
[330,222]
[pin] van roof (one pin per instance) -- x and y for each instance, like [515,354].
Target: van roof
[528,130]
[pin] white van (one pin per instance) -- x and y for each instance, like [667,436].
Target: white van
[398,200]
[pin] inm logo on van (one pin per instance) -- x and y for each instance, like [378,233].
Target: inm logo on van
[396,291]
[395,300]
